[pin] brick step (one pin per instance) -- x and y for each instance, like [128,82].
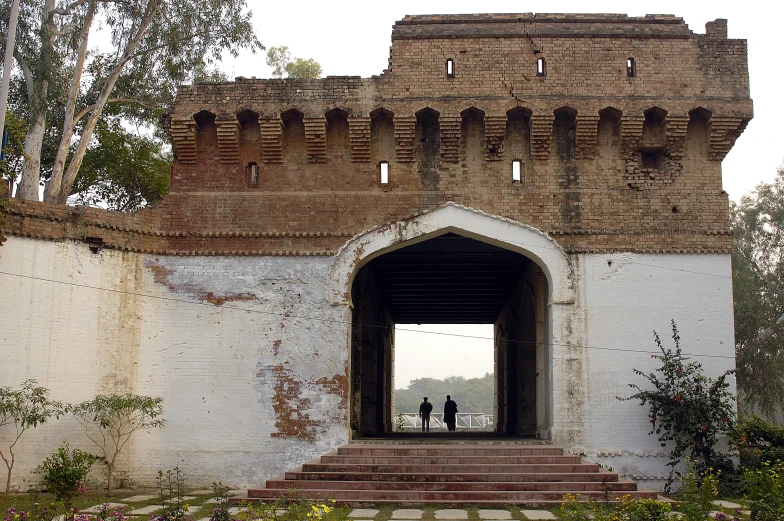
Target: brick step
[482,477]
[448,450]
[449,460]
[375,496]
[441,469]
[454,486]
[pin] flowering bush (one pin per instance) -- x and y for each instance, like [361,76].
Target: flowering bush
[285,508]
[697,492]
[686,408]
[766,491]
[624,508]
[106,513]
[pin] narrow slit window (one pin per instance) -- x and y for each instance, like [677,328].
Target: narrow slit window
[450,68]
[517,171]
[384,168]
[540,67]
[631,68]
[253,174]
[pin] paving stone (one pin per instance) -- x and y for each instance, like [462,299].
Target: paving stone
[725,504]
[201,492]
[363,512]
[538,514]
[188,498]
[495,514]
[234,510]
[237,492]
[139,499]
[407,513]
[746,512]
[149,509]
[97,508]
[451,513]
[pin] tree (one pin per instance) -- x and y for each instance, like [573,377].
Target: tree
[279,58]
[685,407]
[64,472]
[154,46]
[110,420]
[123,170]
[758,293]
[23,408]
[471,394]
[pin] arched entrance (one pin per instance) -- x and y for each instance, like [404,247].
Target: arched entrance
[453,265]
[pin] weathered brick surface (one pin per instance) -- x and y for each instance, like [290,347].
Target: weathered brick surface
[599,175]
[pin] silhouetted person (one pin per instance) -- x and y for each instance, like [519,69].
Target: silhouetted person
[450,413]
[424,413]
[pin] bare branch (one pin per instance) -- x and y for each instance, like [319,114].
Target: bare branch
[88,108]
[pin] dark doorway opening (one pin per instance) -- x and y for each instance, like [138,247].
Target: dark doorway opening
[451,279]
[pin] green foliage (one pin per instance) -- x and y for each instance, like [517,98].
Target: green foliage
[14,149]
[471,394]
[22,409]
[685,407]
[766,491]
[758,294]
[289,508]
[151,47]
[221,510]
[123,170]
[279,58]
[110,421]
[698,490]
[615,508]
[171,488]
[63,473]
[758,442]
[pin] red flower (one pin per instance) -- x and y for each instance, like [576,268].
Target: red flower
[704,429]
[678,398]
[725,420]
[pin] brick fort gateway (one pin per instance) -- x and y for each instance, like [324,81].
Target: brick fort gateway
[558,176]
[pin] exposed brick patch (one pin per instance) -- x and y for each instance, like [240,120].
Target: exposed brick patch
[219,300]
[291,417]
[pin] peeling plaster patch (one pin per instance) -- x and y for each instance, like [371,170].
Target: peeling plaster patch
[162,276]
[231,297]
[291,420]
[276,347]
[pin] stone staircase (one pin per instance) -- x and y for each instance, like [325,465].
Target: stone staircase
[450,473]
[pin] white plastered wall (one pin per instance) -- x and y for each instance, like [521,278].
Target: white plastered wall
[248,352]
[176,327]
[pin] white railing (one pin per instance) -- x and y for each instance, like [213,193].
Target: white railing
[464,420]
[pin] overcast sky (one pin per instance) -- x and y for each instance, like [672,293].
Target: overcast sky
[353,38]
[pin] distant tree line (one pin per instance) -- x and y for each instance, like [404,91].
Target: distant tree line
[471,394]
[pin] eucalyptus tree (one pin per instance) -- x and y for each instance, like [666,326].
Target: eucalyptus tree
[146,49]
[758,294]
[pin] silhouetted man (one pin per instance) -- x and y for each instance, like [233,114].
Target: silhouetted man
[424,412]
[450,413]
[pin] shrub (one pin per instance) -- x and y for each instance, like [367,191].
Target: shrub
[698,490]
[685,407]
[766,491]
[624,508]
[758,441]
[64,472]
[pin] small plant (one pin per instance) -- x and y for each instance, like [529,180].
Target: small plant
[221,510]
[171,487]
[766,491]
[105,513]
[110,420]
[286,508]
[23,408]
[698,490]
[64,472]
[685,407]
[622,508]
[36,513]
[400,422]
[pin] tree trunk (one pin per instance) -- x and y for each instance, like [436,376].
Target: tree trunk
[31,168]
[87,133]
[53,186]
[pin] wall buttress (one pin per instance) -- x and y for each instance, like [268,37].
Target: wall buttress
[723,133]
[183,135]
[316,139]
[228,134]
[541,130]
[271,140]
[450,138]
[631,134]
[405,132]
[359,136]
[587,132]
[495,132]
[676,127]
